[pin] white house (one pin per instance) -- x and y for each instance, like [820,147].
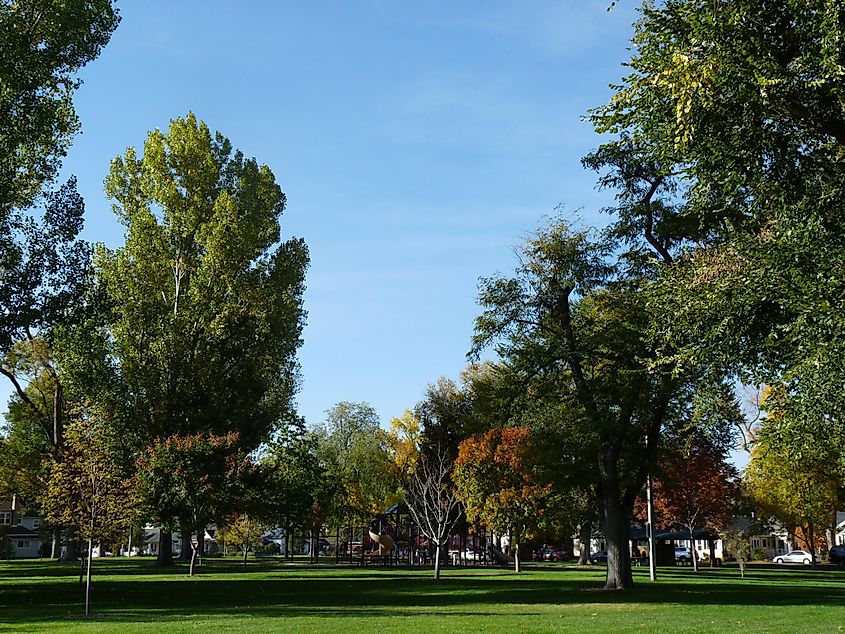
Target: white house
[19,531]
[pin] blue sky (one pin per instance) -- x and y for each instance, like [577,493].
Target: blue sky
[417,143]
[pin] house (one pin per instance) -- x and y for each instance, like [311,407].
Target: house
[19,535]
[152,539]
[839,530]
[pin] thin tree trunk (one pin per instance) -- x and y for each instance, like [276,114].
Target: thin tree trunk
[516,567]
[246,552]
[712,546]
[193,561]
[438,548]
[200,543]
[88,577]
[55,550]
[584,537]
[692,549]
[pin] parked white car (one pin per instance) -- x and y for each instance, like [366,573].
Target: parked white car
[795,557]
[683,554]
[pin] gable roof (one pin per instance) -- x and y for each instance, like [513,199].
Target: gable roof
[19,531]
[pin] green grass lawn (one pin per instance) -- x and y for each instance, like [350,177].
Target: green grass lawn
[132,595]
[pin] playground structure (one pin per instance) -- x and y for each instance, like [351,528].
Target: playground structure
[392,538]
[379,533]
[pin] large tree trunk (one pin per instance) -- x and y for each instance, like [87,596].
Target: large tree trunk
[165,549]
[185,548]
[200,543]
[617,533]
[584,537]
[70,552]
[812,544]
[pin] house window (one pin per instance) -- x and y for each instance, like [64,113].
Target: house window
[36,523]
[5,517]
[23,543]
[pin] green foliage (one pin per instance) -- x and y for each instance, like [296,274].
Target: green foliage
[737,543]
[734,112]
[205,301]
[89,488]
[43,44]
[23,448]
[44,265]
[241,531]
[797,488]
[355,452]
[298,490]
[191,481]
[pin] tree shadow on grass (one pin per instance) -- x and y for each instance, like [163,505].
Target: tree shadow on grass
[337,593]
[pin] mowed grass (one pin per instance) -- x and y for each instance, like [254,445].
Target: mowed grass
[134,596]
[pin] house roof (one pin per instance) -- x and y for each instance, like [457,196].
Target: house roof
[19,531]
[699,533]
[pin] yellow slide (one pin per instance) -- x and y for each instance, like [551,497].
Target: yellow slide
[385,542]
[378,533]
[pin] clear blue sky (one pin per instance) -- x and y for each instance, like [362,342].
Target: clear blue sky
[416,143]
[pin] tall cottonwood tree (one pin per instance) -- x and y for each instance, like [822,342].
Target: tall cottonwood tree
[205,298]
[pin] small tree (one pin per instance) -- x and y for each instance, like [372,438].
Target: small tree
[738,544]
[88,488]
[696,487]
[243,531]
[499,487]
[432,500]
[192,480]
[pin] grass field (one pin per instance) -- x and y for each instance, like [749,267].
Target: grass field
[132,595]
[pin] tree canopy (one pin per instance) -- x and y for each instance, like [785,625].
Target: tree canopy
[43,45]
[204,300]
[732,117]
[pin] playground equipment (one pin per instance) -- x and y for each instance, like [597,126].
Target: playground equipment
[378,533]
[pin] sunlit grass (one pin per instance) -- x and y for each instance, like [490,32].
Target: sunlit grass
[132,595]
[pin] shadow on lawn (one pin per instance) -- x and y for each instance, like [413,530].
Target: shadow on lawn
[333,592]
